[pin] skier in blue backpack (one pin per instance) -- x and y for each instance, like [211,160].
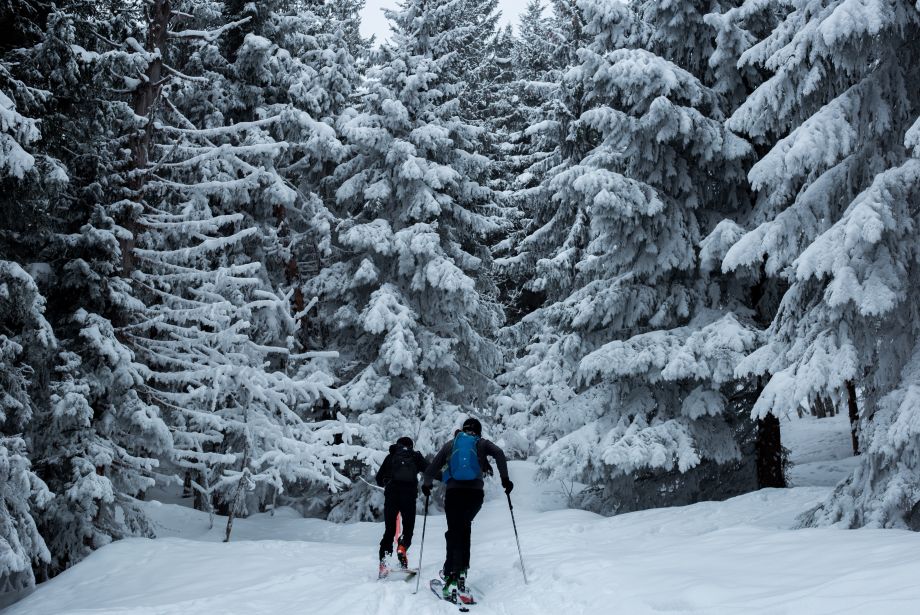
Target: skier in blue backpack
[463,460]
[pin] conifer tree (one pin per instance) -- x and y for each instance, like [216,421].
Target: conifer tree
[842,119]
[738,27]
[409,303]
[160,210]
[25,339]
[552,140]
[295,64]
[100,441]
[214,340]
[631,366]
[539,256]
[93,438]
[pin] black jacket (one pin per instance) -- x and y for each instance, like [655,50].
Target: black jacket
[385,473]
[484,448]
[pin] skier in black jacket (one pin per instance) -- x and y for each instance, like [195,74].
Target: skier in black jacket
[398,475]
[463,500]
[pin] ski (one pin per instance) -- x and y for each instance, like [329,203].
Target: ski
[437,587]
[406,574]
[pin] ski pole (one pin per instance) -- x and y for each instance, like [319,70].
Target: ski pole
[421,550]
[516,539]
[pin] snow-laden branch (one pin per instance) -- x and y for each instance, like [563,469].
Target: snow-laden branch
[207,35]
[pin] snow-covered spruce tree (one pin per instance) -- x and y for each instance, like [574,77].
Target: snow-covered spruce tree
[536,260]
[539,257]
[93,440]
[409,302]
[501,113]
[344,16]
[293,63]
[99,442]
[531,59]
[519,62]
[737,28]
[29,178]
[549,139]
[213,341]
[532,54]
[632,370]
[473,41]
[852,309]
[536,65]
[842,114]
[481,62]
[85,448]
[26,338]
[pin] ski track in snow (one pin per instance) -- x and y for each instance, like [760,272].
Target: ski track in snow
[712,558]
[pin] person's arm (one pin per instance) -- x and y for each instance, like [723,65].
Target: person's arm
[437,463]
[420,464]
[383,473]
[491,450]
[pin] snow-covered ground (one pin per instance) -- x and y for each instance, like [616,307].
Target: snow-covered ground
[734,557]
[821,450]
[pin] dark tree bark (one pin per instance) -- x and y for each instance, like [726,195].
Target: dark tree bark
[770,460]
[817,408]
[187,485]
[143,102]
[854,415]
[823,407]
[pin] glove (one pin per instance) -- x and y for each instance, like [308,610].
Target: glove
[507,484]
[426,489]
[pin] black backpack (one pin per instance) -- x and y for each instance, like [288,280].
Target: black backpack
[403,465]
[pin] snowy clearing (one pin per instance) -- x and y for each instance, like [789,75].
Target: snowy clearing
[820,450]
[711,558]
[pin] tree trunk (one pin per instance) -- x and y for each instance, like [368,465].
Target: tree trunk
[817,408]
[143,100]
[229,526]
[770,470]
[854,415]
[187,485]
[823,407]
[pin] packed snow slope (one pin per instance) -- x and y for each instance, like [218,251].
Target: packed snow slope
[735,557]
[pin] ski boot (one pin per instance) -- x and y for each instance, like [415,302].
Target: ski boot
[449,591]
[463,592]
[383,571]
[402,556]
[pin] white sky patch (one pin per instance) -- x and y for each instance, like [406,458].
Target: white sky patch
[373,21]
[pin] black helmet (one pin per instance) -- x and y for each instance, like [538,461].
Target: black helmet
[405,441]
[472,426]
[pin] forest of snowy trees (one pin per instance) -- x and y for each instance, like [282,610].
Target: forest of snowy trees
[243,248]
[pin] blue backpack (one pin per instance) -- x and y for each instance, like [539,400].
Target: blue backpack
[464,459]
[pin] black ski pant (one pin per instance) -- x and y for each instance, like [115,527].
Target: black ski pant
[399,500]
[460,507]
